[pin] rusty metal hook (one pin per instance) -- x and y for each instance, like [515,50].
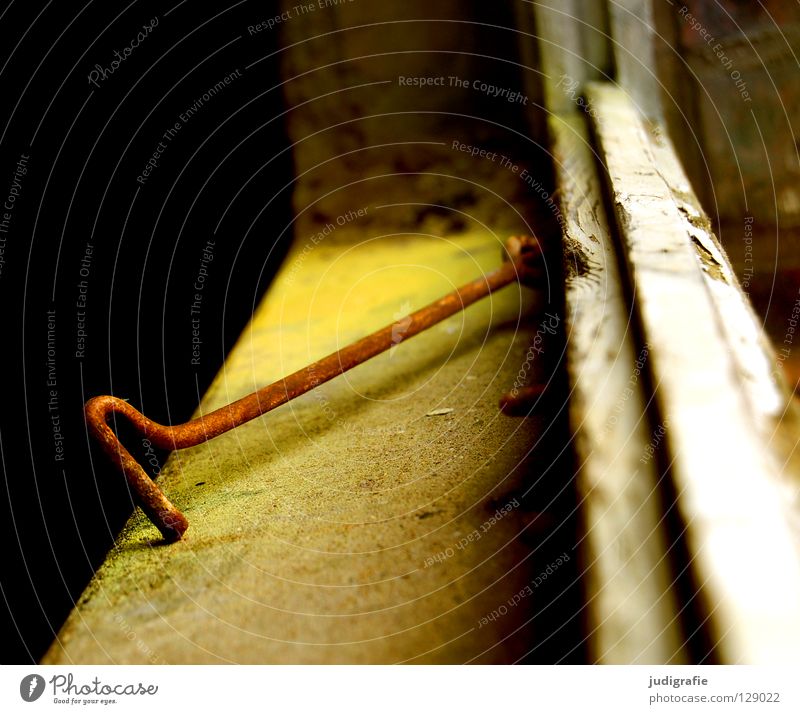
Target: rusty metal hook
[522,257]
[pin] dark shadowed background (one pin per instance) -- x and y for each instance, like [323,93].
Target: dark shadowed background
[100,271]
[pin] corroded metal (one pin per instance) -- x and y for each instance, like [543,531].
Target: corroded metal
[522,265]
[523,401]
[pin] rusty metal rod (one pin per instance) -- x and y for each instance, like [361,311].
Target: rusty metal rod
[524,254]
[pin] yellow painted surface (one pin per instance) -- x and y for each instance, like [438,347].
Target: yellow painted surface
[315,529]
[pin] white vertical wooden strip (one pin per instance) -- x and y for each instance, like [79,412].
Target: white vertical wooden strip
[738,531]
[633,613]
[755,359]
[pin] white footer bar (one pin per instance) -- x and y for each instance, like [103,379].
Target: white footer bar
[401,690]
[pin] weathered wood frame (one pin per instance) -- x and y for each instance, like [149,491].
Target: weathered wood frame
[698,428]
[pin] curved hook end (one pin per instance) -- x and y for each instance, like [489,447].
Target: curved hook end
[156,506]
[526,253]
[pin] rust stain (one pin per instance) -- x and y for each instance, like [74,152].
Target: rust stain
[522,264]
